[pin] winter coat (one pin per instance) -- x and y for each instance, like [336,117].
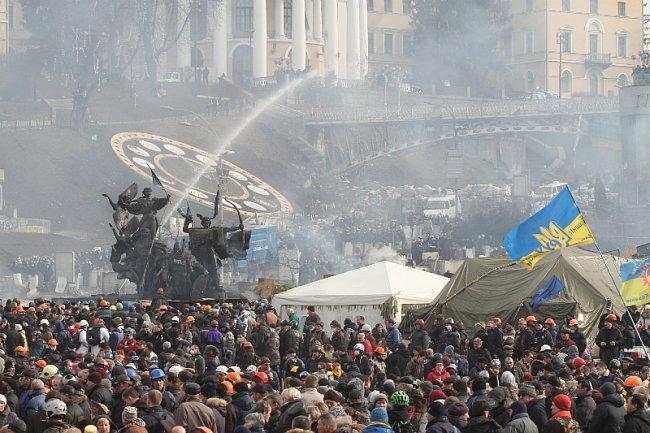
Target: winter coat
[393,338]
[537,413]
[481,425]
[441,425]
[152,417]
[396,362]
[310,396]
[288,412]
[243,404]
[609,415]
[520,423]
[637,422]
[193,413]
[475,356]
[102,393]
[583,409]
[8,417]
[420,340]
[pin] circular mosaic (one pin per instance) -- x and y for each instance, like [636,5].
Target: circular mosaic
[179,165]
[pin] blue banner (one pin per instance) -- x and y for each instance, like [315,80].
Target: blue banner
[263,246]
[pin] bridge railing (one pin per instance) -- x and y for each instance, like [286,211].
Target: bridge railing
[464,109]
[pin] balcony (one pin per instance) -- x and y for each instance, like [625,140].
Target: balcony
[603,60]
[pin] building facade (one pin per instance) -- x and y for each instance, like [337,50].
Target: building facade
[389,34]
[327,36]
[574,47]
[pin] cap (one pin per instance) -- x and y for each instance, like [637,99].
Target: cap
[579,362]
[531,319]
[573,322]
[549,321]
[222,369]
[192,388]
[545,348]
[380,350]
[175,319]
[562,402]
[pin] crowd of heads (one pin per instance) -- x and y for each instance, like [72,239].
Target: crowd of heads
[140,367]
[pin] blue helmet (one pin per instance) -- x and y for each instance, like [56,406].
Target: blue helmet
[156,374]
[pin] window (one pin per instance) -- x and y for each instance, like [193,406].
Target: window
[530,81]
[244,16]
[388,5]
[566,5]
[528,5]
[371,5]
[621,9]
[567,83]
[529,40]
[593,6]
[288,20]
[198,19]
[622,81]
[622,45]
[565,41]
[371,43]
[388,43]
[594,43]
[10,15]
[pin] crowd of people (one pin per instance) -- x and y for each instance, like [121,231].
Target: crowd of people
[150,367]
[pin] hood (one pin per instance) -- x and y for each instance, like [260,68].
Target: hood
[613,399]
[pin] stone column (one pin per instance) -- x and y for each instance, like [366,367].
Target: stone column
[343,38]
[219,39]
[278,19]
[299,44]
[309,13]
[354,72]
[184,43]
[259,38]
[363,32]
[318,20]
[331,37]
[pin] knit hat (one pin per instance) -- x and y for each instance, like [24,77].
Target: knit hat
[562,402]
[437,394]
[129,414]
[379,414]
[437,410]
[608,388]
[479,408]
[192,388]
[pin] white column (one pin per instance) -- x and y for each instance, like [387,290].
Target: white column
[278,18]
[183,45]
[309,13]
[259,38]
[219,39]
[299,44]
[354,41]
[331,37]
[318,20]
[363,31]
[343,38]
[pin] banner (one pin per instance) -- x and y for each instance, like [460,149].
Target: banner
[263,246]
[635,278]
[559,224]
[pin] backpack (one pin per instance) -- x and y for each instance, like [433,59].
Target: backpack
[93,336]
[166,421]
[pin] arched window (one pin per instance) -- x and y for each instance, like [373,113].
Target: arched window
[567,83]
[594,30]
[243,17]
[622,80]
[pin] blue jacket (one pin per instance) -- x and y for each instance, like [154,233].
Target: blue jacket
[393,338]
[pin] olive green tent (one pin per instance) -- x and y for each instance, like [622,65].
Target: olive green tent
[497,287]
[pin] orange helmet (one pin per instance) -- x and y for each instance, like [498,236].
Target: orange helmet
[233,377]
[530,319]
[103,303]
[41,363]
[632,382]
[380,350]
[549,321]
[189,319]
[573,322]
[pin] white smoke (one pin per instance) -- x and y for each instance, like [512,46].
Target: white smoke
[381,254]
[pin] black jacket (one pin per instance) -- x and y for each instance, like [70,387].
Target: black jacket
[637,422]
[481,425]
[537,412]
[441,425]
[583,409]
[608,416]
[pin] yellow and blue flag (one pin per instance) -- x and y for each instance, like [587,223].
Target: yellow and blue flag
[559,224]
[635,278]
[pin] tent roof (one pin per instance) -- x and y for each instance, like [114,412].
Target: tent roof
[489,287]
[370,285]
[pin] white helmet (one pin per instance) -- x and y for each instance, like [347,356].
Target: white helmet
[49,371]
[54,407]
[83,323]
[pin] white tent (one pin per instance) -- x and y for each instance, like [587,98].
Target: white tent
[383,287]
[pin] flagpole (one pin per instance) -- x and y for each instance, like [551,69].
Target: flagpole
[611,276]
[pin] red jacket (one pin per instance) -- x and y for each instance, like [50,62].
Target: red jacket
[435,376]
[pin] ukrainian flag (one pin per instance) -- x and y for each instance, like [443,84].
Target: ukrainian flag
[635,276]
[560,224]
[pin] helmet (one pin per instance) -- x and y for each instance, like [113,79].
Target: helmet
[380,350]
[531,319]
[54,407]
[45,322]
[573,322]
[49,371]
[614,363]
[579,362]
[400,398]
[103,303]
[189,319]
[156,374]
[83,323]
[549,321]
[632,382]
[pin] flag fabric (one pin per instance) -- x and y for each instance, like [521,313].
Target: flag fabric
[552,288]
[155,179]
[559,224]
[635,279]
